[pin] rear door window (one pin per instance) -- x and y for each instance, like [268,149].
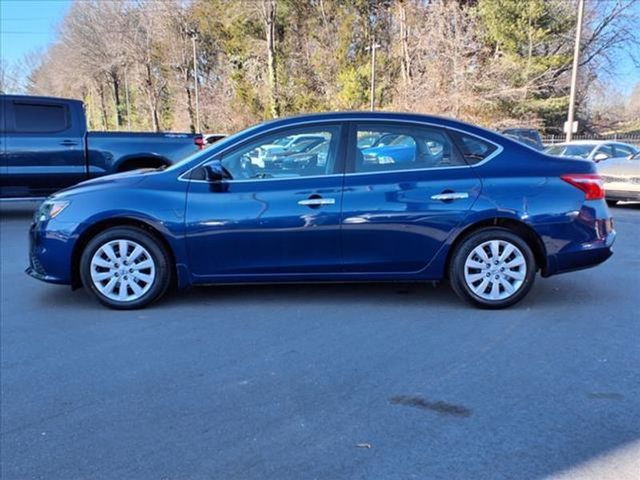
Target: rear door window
[40,118]
[623,150]
[404,147]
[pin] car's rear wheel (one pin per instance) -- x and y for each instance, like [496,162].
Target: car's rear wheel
[125,268]
[492,268]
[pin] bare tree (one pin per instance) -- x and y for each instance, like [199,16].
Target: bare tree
[269,13]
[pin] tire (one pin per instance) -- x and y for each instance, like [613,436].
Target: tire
[472,281]
[129,282]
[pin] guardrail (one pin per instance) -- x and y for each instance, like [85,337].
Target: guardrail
[633,139]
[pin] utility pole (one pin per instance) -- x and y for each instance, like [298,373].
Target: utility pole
[372,94]
[574,73]
[195,80]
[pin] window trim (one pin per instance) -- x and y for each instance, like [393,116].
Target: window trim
[345,148]
[64,106]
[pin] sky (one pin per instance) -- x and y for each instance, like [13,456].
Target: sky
[30,25]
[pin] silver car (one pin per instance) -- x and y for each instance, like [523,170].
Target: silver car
[621,177]
[595,150]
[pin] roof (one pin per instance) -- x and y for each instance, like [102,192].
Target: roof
[382,115]
[39,98]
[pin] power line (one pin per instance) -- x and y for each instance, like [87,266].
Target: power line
[24,32]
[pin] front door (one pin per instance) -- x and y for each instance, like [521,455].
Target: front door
[403,198]
[279,212]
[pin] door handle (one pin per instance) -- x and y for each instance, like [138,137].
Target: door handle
[317,202]
[449,196]
[68,143]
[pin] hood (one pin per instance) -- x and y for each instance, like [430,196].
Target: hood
[115,180]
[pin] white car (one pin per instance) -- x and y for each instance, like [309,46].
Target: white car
[621,178]
[595,150]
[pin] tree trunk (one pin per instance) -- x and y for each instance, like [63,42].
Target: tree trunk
[269,8]
[190,109]
[116,98]
[103,106]
[152,100]
[404,40]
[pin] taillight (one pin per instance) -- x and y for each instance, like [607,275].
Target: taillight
[199,141]
[589,183]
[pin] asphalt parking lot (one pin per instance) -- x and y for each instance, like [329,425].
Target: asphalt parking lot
[323,382]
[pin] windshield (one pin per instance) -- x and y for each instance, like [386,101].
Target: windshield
[576,150]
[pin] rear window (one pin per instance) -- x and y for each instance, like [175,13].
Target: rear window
[573,150]
[35,118]
[473,148]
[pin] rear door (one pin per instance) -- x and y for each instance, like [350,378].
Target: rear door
[398,206]
[44,148]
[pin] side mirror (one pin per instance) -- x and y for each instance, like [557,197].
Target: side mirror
[215,172]
[600,157]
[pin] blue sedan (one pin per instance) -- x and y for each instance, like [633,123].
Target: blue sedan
[467,204]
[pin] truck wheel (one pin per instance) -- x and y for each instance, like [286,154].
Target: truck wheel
[125,268]
[492,268]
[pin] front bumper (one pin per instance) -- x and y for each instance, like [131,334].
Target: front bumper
[50,251]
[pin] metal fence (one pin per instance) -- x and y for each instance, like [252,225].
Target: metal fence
[633,138]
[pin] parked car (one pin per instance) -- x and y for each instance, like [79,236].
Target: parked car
[310,157]
[46,147]
[594,150]
[396,149]
[528,136]
[621,177]
[486,213]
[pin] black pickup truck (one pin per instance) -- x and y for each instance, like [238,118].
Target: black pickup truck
[45,146]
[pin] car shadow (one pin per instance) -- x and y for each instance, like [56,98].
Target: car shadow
[317,293]
[549,293]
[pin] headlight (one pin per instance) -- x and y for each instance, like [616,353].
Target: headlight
[50,209]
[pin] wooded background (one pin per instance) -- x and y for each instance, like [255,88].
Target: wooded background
[494,62]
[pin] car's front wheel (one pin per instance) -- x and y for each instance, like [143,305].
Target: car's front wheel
[492,268]
[125,268]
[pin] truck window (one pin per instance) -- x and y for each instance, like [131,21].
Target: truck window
[34,118]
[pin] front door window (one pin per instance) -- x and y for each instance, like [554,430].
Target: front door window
[289,154]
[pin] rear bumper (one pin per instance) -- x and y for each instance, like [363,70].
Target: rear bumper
[586,241]
[623,195]
[585,255]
